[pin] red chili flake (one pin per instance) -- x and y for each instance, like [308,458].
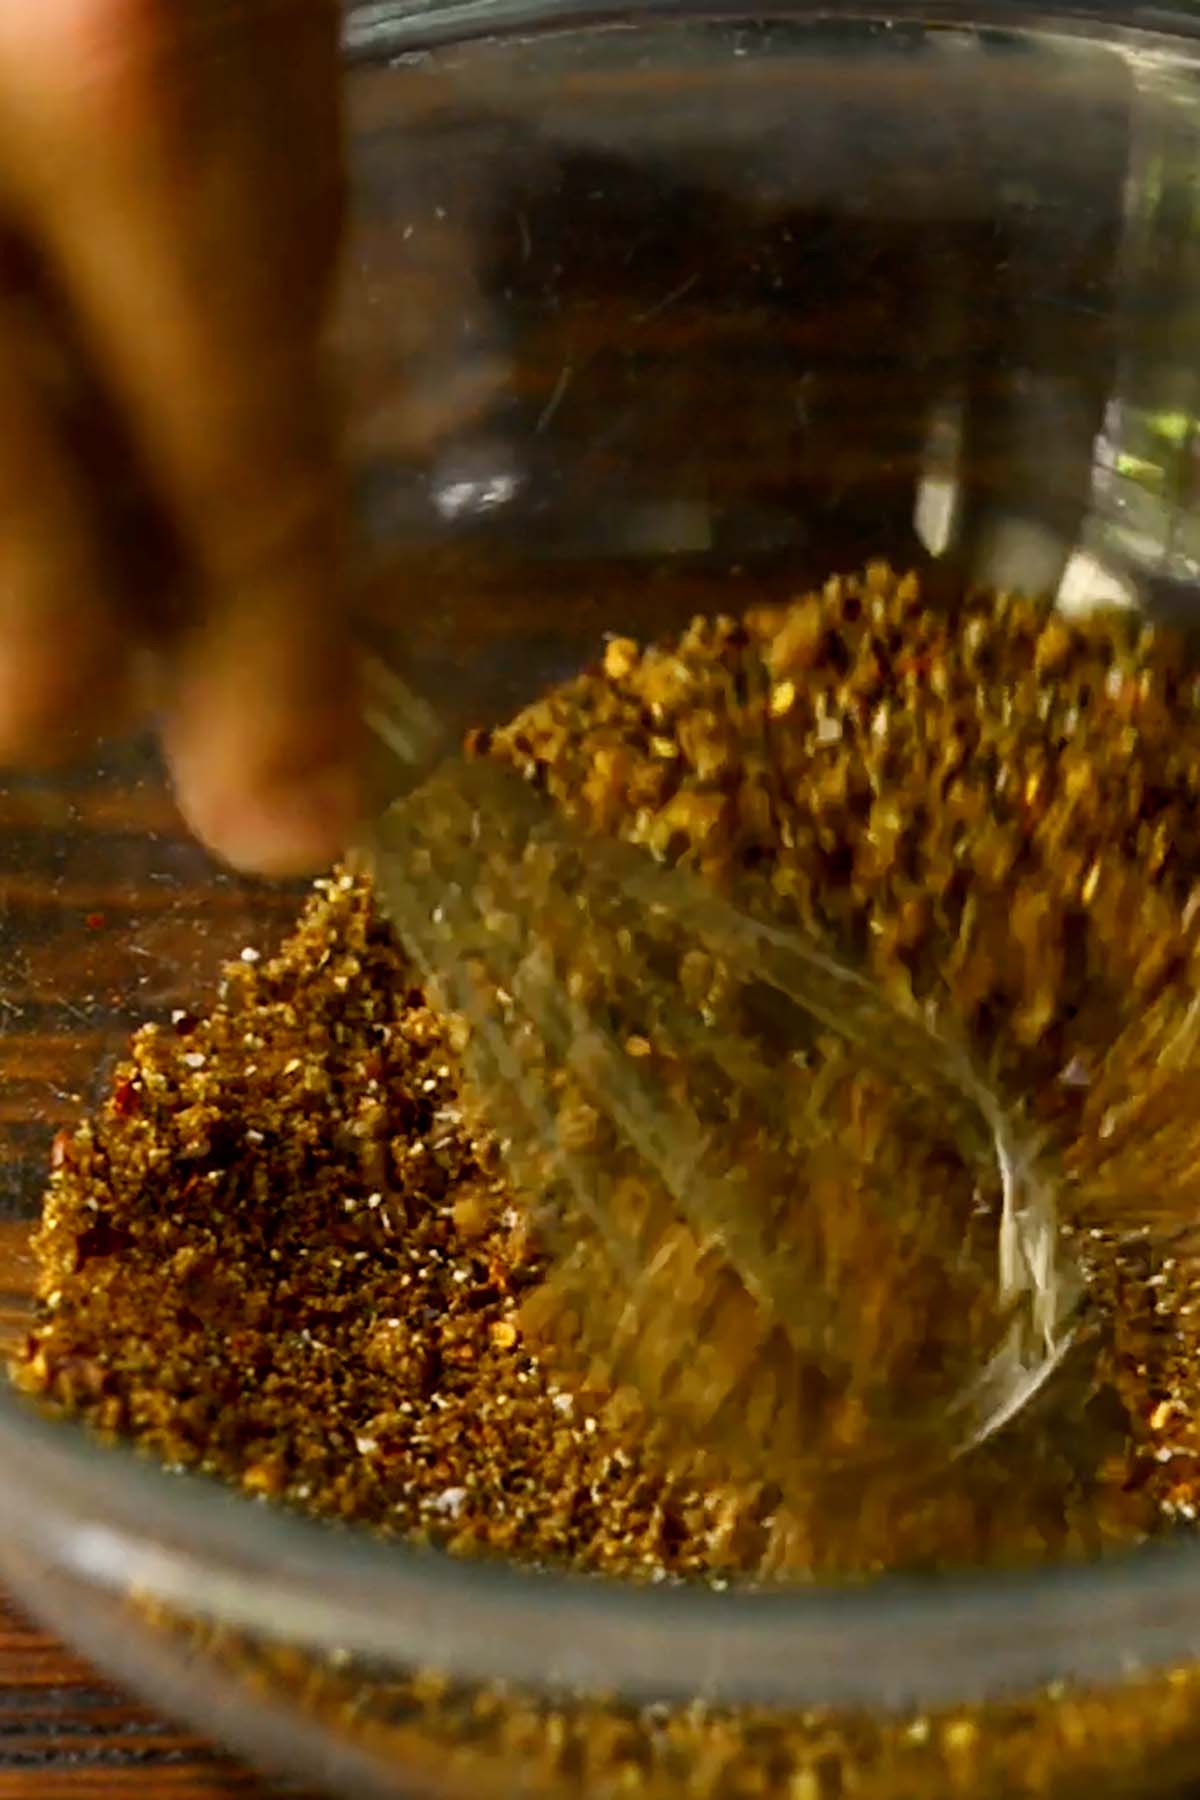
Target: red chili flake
[126,1099]
[914,664]
[60,1150]
[96,921]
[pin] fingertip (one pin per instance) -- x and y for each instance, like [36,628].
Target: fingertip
[264,756]
[262,722]
[275,826]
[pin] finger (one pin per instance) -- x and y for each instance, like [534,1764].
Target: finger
[180,170]
[261,732]
[64,666]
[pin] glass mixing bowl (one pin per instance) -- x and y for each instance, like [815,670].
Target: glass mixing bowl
[648,310]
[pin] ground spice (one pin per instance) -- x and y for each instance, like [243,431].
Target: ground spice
[995,804]
[1134,1740]
[284,1251]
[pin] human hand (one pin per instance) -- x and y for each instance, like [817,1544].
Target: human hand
[170,190]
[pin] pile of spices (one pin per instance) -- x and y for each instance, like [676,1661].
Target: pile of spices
[994,811]
[992,803]
[286,1253]
[709,1167]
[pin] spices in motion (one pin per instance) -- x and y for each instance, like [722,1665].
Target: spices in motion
[284,1251]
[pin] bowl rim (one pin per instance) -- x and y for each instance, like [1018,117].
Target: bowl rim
[391,30]
[107,1515]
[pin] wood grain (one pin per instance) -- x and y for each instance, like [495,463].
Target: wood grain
[67,1734]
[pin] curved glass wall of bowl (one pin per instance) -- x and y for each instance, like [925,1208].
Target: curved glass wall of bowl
[611,356]
[1141,539]
[754,327]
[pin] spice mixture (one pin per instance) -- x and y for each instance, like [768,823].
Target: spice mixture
[288,1252]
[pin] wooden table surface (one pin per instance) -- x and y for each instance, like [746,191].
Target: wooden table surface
[67,1734]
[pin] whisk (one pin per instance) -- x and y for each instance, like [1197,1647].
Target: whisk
[718,1129]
